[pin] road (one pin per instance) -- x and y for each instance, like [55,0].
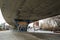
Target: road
[10,35]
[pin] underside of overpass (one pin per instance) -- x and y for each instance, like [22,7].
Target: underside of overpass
[29,9]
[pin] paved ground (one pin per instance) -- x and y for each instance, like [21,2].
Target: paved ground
[47,36]
[10,35]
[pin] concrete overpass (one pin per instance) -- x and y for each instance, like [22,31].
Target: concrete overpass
[29,9]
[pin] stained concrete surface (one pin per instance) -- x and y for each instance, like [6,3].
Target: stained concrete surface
[10,35]
[47,36]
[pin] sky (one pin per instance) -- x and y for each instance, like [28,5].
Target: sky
[1,18]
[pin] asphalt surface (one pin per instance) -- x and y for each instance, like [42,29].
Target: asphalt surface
[10,35]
